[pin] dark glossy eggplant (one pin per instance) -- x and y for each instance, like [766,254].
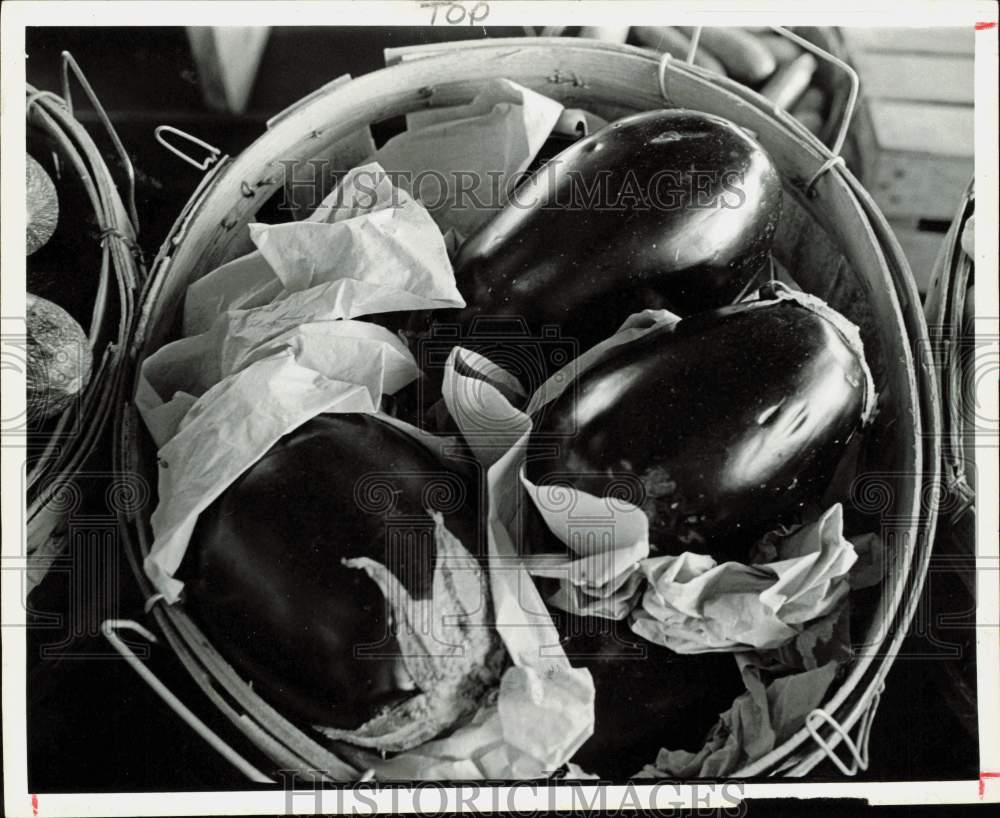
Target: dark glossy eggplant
[265,578]
[646,696]
[731,420]
[670,209]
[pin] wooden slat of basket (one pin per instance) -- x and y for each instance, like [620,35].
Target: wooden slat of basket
[296,748]
[323,169]
[407,53]
[945,311]
[922,248]
[80,428]
[928,435]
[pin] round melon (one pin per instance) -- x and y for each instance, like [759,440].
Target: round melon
[59,358]
[43,205]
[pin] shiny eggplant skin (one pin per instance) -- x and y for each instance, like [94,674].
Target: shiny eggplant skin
[670,209]
[264,576]
[646,696]
[724,424]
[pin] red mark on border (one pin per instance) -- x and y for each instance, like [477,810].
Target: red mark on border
[985,26]
[982,782]
[34,803]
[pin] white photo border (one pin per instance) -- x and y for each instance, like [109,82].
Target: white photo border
[19,14]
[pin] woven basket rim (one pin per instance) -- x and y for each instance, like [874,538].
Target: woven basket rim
[904,294]
[122,276]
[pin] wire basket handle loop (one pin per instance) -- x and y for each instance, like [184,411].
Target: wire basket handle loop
[204,164]
[110,628]
[823,54]
[858,750]
[69,64]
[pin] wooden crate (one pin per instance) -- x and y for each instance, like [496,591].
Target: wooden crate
[944,78]
[915,130]
[916,158]
[943,40]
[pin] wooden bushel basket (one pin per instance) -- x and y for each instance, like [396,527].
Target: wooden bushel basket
[831,236]
[52,493]
[951,323]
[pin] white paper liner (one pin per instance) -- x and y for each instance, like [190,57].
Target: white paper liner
[339,241]
[607,540]
[693,605]
[217,401]
[470,153]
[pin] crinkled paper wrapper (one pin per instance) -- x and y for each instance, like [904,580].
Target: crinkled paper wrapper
[271,339]
[284,346]
[500,131]
[782,605]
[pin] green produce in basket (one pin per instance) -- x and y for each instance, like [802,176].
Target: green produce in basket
[43,205]
[745,57]
[59,358]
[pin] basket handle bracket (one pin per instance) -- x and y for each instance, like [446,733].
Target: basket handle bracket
[204,164]
[69,64]
[857,749]
[110,628]
[823,54]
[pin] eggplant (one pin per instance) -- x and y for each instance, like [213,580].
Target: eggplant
[265,573]
[724,424]
[59,360]
[646,696]
[671,209]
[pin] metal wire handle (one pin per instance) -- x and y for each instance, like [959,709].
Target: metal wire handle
[823,54]
[110,628]
[859,749]
[70,64]
[205,164]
